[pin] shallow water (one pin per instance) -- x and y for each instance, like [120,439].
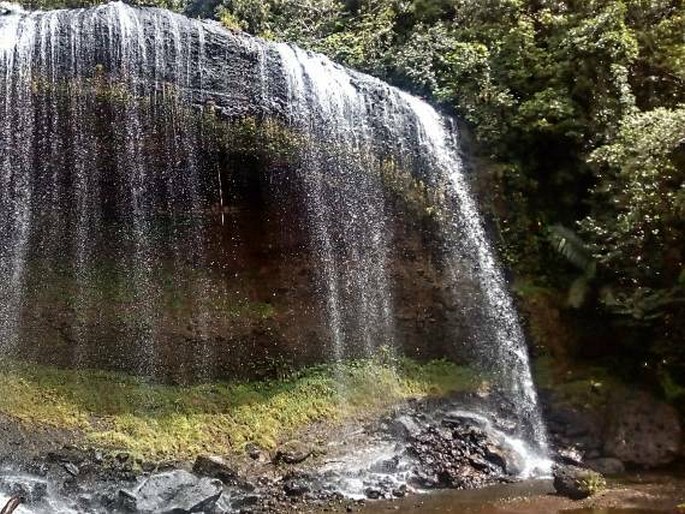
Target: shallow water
[531,497]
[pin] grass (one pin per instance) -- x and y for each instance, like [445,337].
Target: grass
[160,422]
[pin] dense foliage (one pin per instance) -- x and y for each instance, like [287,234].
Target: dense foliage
[578,105]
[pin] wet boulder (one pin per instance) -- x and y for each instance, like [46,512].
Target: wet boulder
[175,491]
[297,484]
[577,483]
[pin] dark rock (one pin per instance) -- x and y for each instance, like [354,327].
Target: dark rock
[72,469]
[504,458]
[123,457]
[642,430]
[405,427]
[373,493]
[253,451]
[243,502]
[456,458]
[296,485]
[577,483]
[67,454]
[70,486]
[127,501]
[213,466]
[292,452]
[400,492]
[606,466]
[570,455]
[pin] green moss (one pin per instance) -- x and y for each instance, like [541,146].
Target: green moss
[593,483]
[154,422]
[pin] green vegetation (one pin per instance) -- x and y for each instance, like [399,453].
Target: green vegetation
[593,483]
[153,421]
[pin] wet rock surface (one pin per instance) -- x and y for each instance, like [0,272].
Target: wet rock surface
[577,483]
[423,446]
[175,491]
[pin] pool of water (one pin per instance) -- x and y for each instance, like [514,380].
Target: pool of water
[531,497]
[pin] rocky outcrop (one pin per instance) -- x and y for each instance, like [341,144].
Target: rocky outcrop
[623,428]
[642,430]
[175,491]
[457,452]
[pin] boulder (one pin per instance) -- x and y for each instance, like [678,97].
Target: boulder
[506,458]
[292,452]
[606,466]
[573,422]
[576,482]
[405,427]
[174,491]
[213,466]
[297,484]
[642,430]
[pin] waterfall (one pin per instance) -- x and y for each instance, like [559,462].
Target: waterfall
[113,187]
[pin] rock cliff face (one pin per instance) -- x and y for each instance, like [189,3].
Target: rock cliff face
[181,205]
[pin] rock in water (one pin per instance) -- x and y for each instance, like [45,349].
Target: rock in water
[297,484]
[577,483]
[642,430]
[176,491]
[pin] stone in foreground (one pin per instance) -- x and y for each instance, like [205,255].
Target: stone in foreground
[577,483]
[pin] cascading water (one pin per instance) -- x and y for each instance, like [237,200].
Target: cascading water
[114,192]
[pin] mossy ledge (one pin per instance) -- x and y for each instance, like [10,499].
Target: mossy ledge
[157,422]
